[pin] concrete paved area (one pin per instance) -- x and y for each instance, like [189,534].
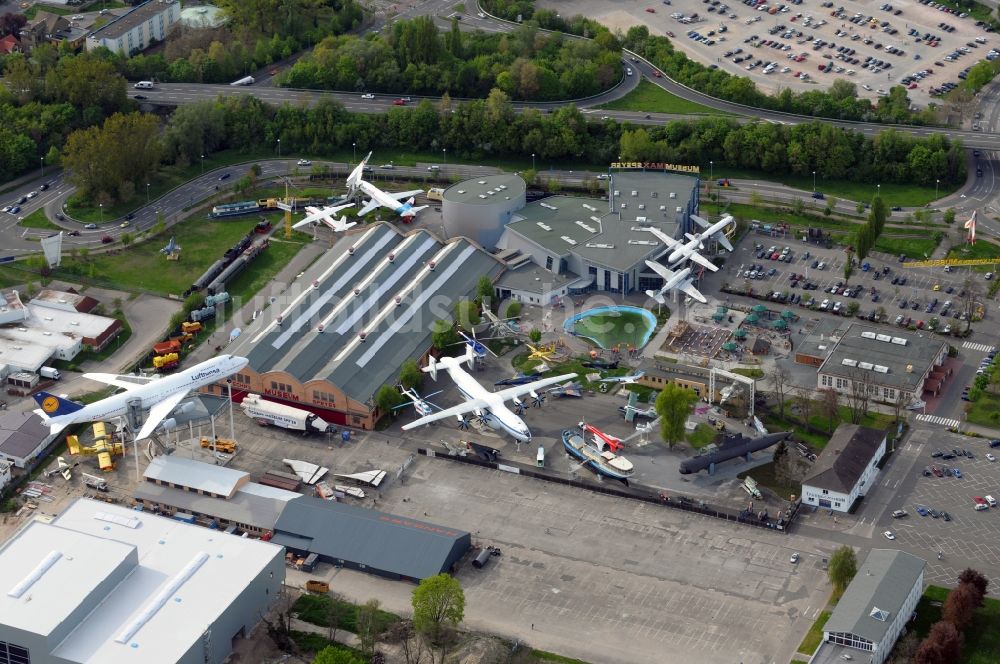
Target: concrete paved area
[623,15]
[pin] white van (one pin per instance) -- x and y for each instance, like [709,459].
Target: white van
[143,85]
[49,372]
[991,500]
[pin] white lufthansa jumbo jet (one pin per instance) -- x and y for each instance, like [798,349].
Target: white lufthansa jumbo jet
[160,395]
[326,215]
[490,407]
[673,281]
[379,198]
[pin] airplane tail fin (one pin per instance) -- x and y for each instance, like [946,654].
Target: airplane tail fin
[698,220]
[411,201]
[656,295]
[354,179]
[432,367]
[54,406]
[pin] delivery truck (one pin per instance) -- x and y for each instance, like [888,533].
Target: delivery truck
[269,413]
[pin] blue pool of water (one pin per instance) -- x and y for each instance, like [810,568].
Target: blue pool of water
[645,313]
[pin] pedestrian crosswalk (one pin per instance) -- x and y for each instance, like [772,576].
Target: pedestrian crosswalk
[943,421]
[982,348]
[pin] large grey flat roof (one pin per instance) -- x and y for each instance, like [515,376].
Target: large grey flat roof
[485,190]
[248,505]
[383,542]
[653,190]
[905,363]
[533,279]
[21,433]
[130,19]
[883,582]
[348,295]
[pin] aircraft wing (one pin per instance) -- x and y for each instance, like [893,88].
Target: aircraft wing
[126,382]
[461,409]
[663,237]
[661,270]
[527,388]
[701,260]
[688,288]
[369,206]
[159,412]
[406,194]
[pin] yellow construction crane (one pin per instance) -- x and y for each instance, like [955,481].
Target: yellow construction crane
[953,262]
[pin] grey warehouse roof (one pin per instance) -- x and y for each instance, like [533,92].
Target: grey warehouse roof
[345,323]
[247,505]
[484,190]
[845,457]
[905,356]
[181,472]
[380,541]
[530,278]
[21,433]
[652,190]
[883,582]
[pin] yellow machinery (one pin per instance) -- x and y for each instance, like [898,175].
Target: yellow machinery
[953,262]
[104,462]
[165,361]
[221,445]
[187,327]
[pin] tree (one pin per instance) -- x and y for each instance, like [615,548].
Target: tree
[859,208]
[804,402]
[878,214]
[976,580]
[334,655]
[830,407]
[438,603]
[906,649]
[410,642]
[388,398]
[943,645]
[843,566]
[860,393]
[798,207]
[467,314]
[410,375]
[848,271]
[513,309]
[370,624]
[779,380]
[949,216]
[673,405]
[960,606]
[484,291]
[969,300]
[126,148]
[535,335]
[443,334]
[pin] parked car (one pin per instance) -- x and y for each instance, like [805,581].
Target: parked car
[889,535]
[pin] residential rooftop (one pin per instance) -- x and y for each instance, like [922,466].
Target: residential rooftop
[845,457]
[126,22]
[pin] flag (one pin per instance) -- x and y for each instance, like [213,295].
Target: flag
[970,225]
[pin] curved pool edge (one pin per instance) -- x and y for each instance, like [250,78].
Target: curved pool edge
[645,313]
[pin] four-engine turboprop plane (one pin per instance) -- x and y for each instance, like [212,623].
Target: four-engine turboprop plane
[489,407]
[326,215]
[356,182]
[679,280]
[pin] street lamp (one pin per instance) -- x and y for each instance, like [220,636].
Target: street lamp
[711,171]
[532,161]
[279,148]
[202,164]
[936,183]
[814,180]
[444,156]
[101,206]
[41,160]
[355,146]
[147,193]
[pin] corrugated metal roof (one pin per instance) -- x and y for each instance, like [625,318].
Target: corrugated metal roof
[249,507]
[347,294]
[196,475]
[380,541]
[884,581]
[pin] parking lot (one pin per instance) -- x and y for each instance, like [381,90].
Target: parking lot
[863,43]
[970,535]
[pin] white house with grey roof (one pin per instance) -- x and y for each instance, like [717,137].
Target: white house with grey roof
[138,28]
[874,610]
[845,469]
[602,244]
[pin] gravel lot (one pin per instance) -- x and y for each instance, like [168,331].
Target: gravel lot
[822,26]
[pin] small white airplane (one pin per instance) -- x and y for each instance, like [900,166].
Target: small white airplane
[326,216]
[623,379]
[161,395]
[490,407]
[673,281]
[716,230]
[379,198]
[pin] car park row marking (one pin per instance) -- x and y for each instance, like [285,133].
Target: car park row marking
[934,419]
[983,348]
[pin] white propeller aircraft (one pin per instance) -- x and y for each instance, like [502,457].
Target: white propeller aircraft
[490,407]
[673,281]
[379,198]
[624,380]
[681,251]
[161,395]
[326,216]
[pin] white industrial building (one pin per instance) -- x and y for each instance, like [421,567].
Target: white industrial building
[845,469]
[874,610]
[480,208]
[103,583]
[138,28]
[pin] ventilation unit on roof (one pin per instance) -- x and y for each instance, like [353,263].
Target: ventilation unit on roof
[678,209]
[640,219]
[75,323]
[24,329]
[654,194]
[502,187]
[884,337]
[868,335]
[645,242]
[589,229]
[673,194]
[663,208]
[48,334]
[48,318]
[568,239]
[900,341]
[544,227]
[881,369]
[866,365]
[40,569]
[598,245]
[909,368]
[848,362]
[821,347]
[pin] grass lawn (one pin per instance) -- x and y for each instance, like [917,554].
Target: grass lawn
[981,249]
[651,98]
[913,247]
[815,634]
[749,372]
[702,435]
[202,242]
[37,219]
[765,476]
[982,638]
[613,328]
[542,656]
[985,411]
